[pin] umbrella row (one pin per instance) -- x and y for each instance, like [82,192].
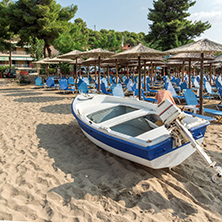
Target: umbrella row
[145,54]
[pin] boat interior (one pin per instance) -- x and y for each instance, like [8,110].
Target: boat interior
[128,120]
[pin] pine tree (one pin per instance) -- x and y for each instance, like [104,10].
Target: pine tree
[170,27]
[43,19]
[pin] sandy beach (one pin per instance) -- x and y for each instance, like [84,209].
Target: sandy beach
[49,171]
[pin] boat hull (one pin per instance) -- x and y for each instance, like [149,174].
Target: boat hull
[163,154]
[156,157]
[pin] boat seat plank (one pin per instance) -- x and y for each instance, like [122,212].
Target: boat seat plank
[95,108]
[124,118]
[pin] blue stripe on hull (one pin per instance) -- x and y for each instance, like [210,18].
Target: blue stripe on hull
[149,152]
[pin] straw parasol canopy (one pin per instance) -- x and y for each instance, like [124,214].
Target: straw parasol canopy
[139,51]
[70,55]
[190,57]
[202,46]
[59,60]
[218,61]
[45,61]
[90,61]
[96,53]
[79,61]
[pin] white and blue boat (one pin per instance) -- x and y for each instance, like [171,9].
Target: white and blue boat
[132,129]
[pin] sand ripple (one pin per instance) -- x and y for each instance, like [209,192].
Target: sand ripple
[49,171]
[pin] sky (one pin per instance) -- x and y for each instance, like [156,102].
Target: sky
[131,15]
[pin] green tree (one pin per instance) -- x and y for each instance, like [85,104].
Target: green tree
[36,48]
[43,19]
[75,37]
[170,28]
[5,32]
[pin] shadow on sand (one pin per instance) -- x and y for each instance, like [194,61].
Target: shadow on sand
[40,99]
[58,109]
[97,173]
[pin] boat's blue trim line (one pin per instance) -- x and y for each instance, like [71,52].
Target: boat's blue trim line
[149,152]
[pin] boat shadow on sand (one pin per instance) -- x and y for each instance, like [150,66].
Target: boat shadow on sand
[109,180]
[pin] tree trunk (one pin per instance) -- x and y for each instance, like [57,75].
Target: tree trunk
[49,51]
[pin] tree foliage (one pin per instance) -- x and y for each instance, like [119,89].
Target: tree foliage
[36,48]
[170,27]
[43,19]
[75,37]
[5,30]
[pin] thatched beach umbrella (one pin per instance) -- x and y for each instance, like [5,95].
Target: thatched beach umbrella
[116,62]
[139,51]
[76,63]
[218,61]
[190,57]
[151,61]
[45,61]
[59,60]
[96,53]
[72,55]
[89,62]
[201,46]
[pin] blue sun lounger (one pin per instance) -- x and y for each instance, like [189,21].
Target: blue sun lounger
[192,104]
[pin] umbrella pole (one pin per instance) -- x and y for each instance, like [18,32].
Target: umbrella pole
[47,70]
[88,71]
[60,71]
[183,69]
[201,84]
[73,69]
[190,86]
[134,73]
[117,77]
[76,71]
[95,72]
[151,73]
[140,83]
[210,73]
[148,71]
[144,75]
[108,74]
[127,70]
[99,74]
[38,69]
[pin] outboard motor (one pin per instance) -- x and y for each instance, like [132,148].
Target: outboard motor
[172,117]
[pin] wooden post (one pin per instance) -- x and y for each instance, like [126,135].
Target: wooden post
[183,69]
[99,74]
[151,63]
[145,75]
[127,70]
[201,84]
[117,76]
[79,71]
[88,71]
[95,71]
[140,79]
[108,74]
[190,83]
[47,70]
[76,71]
[210,73]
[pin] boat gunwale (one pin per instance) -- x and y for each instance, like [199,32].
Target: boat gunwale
[140,142]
